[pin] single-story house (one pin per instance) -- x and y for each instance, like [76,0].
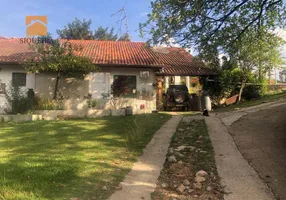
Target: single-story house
[143,66]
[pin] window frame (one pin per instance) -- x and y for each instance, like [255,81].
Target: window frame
[19,81]
[130,94]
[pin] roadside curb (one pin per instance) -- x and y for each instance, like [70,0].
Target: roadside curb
[240,179]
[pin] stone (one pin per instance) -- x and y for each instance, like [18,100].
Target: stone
[187,187]
[172,159]
[181,148]
[171,151]
[104,188]
[196,196]
[197,185]
[118,188]
[201,173]
[180,155]
[181,188]
[186,182]
[180,162]
[204,152]
[209,188]
[180,129]
[200,179]
[192,148]
[191,191]
[164,185]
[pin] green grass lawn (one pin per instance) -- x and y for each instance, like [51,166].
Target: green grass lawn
[265,99]
[72,158]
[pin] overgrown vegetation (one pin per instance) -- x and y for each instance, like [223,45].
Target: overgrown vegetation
[17,100]
[47,104]
[70,159]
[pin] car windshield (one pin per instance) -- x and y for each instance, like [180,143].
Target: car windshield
[178,88]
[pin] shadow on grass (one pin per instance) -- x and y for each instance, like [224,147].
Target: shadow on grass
[73,158]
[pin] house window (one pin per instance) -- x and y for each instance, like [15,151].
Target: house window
[124,84]
[19,79]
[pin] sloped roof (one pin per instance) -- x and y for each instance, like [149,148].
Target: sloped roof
[170,61]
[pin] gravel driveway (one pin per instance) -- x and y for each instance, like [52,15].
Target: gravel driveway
[261,138]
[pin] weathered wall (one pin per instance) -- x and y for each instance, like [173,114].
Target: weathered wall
[68,87]
[6,78]
[74,88]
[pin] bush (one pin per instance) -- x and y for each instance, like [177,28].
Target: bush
[91,103]
[255,91]
[46,104]
[17,100]
[251,92]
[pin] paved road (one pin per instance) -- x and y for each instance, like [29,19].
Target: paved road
[261,138]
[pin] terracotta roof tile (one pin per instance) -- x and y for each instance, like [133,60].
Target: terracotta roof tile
[171,61]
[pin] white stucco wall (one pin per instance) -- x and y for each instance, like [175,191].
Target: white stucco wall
[6,77]
[110,72]
[73,88]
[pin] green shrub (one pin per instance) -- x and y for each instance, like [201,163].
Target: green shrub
[46,104]
[91,103]
[255,91]
[251,92]
[17,100]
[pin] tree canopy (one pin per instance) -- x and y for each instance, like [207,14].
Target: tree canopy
[103,34]
[77,29]
[81,30]
[60,57]
[206,23]
[124,37]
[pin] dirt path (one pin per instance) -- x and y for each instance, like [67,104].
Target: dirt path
[261,138]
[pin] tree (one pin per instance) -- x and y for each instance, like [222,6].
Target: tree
[124,37]
[256,53]
[103,34]
[211,23]
[77,29]
[58,56]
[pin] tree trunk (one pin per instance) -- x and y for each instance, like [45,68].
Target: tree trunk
[56,85]
[241,90]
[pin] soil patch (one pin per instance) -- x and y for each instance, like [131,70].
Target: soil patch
[189,170]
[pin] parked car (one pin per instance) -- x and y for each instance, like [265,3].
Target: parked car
[177,96]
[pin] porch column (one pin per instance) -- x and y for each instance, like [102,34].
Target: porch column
[188,82]
[177,80]
[167,82]
[159,92]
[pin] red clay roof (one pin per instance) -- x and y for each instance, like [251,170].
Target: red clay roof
[171,61]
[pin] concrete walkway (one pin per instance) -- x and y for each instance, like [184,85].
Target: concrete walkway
[240,179]
[141,181]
